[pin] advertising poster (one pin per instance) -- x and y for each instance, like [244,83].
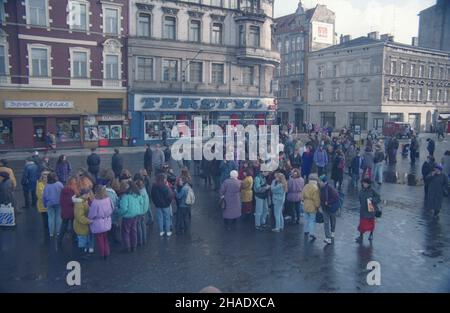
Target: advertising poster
[103,132]
[116,131]
[322,33]
[91,133]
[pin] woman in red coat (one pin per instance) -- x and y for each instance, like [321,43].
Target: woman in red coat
[67,206]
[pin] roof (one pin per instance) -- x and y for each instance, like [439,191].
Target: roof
[283,22]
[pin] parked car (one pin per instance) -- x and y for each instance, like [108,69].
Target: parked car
[397,129]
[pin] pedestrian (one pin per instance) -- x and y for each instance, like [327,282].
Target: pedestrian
[226,167]
[117,163]
[369,201]
[431,146]
[100,212]
[356,164]
[29,181]
[311,199]
[437,182]
[164,136]
[130,208]
[148,187]
[247,193]
[279,189]
[445,161]
[93,163]
[148,159]
[50,141]
[329,202]
[63,169]
[378,160]
[112,187]
[294,195]
[349,155]
[67,206]
[307,162]
[215,173]
[440,131]
[158,159]
[337,171]
[414,149]
[42,182]
[162,197]
[261,191]
[5,168]
[81,222]
[296,159]
[205,172]
[367,165]
[427,168]
[321,160]
[141,218]
[51,199]
[6,190]
[183,209]
[231,192]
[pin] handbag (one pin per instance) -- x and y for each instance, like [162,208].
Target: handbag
[7,217]
[319,218]
[222,203]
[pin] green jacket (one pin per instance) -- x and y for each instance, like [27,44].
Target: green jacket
[146,200]
[131,205]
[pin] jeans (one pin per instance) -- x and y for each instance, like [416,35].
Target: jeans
[295,208]
[44,216]
[329,221]
[54,219]
[310,223]
[261,211]
[26,195]
[278,214]
[181,224]
[85,241]
[141,230]
[149,216]
[66,223]
[378,172]
[355,179]
[164,219]
[129,232]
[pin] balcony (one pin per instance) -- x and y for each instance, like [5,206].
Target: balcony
[259,55]
[297,99]
[252,14]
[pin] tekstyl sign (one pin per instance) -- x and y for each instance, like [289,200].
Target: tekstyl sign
[181,103]
[9,104]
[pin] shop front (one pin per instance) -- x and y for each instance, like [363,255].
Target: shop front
[154,116]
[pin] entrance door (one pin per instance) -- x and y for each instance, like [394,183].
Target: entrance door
[299,119]
[414,121]
[378,124]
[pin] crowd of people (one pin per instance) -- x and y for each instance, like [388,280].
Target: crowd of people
[110,205]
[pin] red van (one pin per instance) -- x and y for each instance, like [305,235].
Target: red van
[397,129]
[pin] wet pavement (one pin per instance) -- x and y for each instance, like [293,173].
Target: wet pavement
[412,249]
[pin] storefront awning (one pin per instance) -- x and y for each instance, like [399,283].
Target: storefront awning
[444,116]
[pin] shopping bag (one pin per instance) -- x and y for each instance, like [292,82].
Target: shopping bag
[7,217]
[319,218]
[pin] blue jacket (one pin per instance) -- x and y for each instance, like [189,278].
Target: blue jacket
[278,193]
[321,158]
[52,194]
[356,164]
[30,176]
[181,195]
[307,163]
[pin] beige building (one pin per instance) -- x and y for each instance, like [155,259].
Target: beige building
[370,80]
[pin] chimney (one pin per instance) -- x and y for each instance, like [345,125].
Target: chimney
[387,37]
[415,41]
[374,35]
[345,38]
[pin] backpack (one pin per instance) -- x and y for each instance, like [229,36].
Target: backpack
[190,198]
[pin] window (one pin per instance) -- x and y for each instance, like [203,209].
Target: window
[419,94]
[412,70]
[170,70]
[430,72]
[194,31]
[217,74]
[402,94]
[336,92]
[112,67]
[39,62]
[111,21]
[196,72]
[335,70]
[254,36]
[328,118]
[144,69]
[169,27]
[286,46]
[248,75]
[421,70]
[349,93]
[365,93]
[37,12]
[78,15]
[441,73]
[402,69]
[411,94]
[320,94]
[446,96]
[321,70]
[3,62]
[216,3]
[393,67]
[358,118]
[439,95]
[6,131]
[144,24]
[391,92]
[79,64]
[68,130]
[241,36]
[430,95]
[250,5]
[217,33]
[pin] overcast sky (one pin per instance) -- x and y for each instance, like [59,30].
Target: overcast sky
[359,17]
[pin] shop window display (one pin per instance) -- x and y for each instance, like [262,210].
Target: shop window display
[5,131]
[91,133]
[68,130]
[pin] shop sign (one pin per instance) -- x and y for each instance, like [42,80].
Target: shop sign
[108,118]
[179,103]
[38,104]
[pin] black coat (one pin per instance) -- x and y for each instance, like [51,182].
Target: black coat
[296,161]
[427,168]
[435,195]
[148,158]
[6,192]
[117,163]
[93,163]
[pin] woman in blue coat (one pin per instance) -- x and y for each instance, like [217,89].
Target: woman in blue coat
[307,162]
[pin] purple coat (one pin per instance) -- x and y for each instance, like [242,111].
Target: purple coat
[295,187]
[100,213]
[231,189]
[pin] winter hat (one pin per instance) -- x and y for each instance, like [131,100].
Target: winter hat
[323,178]
[313,177]
[439,167]
[234,174]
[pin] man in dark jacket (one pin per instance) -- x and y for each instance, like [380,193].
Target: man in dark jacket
[93,163]
[431,146]
[437,183]
[414,149]
[329,201]
[162,197]
[29,181]
[117,163]
[296,159]
[148,160]
[427,168]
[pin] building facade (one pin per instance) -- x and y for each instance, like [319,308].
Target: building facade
[212,59]
[63,70]
[434,26]
[367,81]
[296,35]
